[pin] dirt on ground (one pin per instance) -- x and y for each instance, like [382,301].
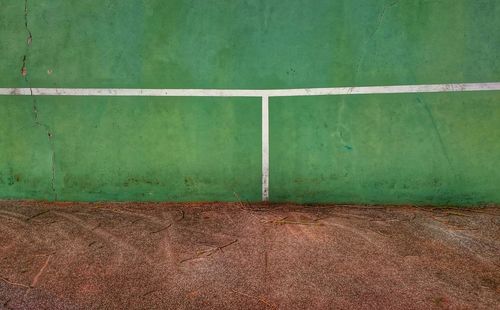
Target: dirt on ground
[239,256]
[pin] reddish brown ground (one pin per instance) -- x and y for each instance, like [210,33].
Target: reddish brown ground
[144,256]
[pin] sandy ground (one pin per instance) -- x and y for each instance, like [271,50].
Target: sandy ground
[144,256]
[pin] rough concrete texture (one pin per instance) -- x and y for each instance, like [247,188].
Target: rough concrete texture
[144,256]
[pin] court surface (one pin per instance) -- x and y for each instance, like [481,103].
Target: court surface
[219,256]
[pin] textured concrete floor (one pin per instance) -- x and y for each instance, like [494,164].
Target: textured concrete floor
[143,256]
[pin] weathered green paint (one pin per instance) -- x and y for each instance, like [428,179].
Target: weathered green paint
[387,149]
[170,149]
[439,148]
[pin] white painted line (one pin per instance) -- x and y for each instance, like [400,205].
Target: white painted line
[265,148]
[363,90]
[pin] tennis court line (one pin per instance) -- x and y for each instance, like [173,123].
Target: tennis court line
[362,90]
[264,94]
[265,148]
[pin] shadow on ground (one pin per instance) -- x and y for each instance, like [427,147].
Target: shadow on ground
[143,256]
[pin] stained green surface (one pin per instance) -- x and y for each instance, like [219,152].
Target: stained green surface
[156,149]
[440,148]
[250,43]
[396,149]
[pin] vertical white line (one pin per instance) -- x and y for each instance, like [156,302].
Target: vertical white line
[265,148]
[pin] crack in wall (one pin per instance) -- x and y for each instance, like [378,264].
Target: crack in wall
[380,19]
[342,131]
[435,127]
[24,74]
[340,127]
[30,37]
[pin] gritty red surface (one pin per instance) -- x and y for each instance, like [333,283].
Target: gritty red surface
[227,256]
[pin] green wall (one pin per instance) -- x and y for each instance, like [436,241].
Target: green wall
[415,148]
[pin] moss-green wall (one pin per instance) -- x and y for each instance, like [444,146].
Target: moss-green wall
[419,148]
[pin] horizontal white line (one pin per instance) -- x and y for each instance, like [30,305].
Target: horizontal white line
[364,90]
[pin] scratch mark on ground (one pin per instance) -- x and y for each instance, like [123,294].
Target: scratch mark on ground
[14,283]
[161,229]
[105,236]
[260,299]
[209,252]
[37,215]
[284,222]
[40,272]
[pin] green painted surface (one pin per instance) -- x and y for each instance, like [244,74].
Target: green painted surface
[396,149]
[440,148]
[250,43]
[155,149]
